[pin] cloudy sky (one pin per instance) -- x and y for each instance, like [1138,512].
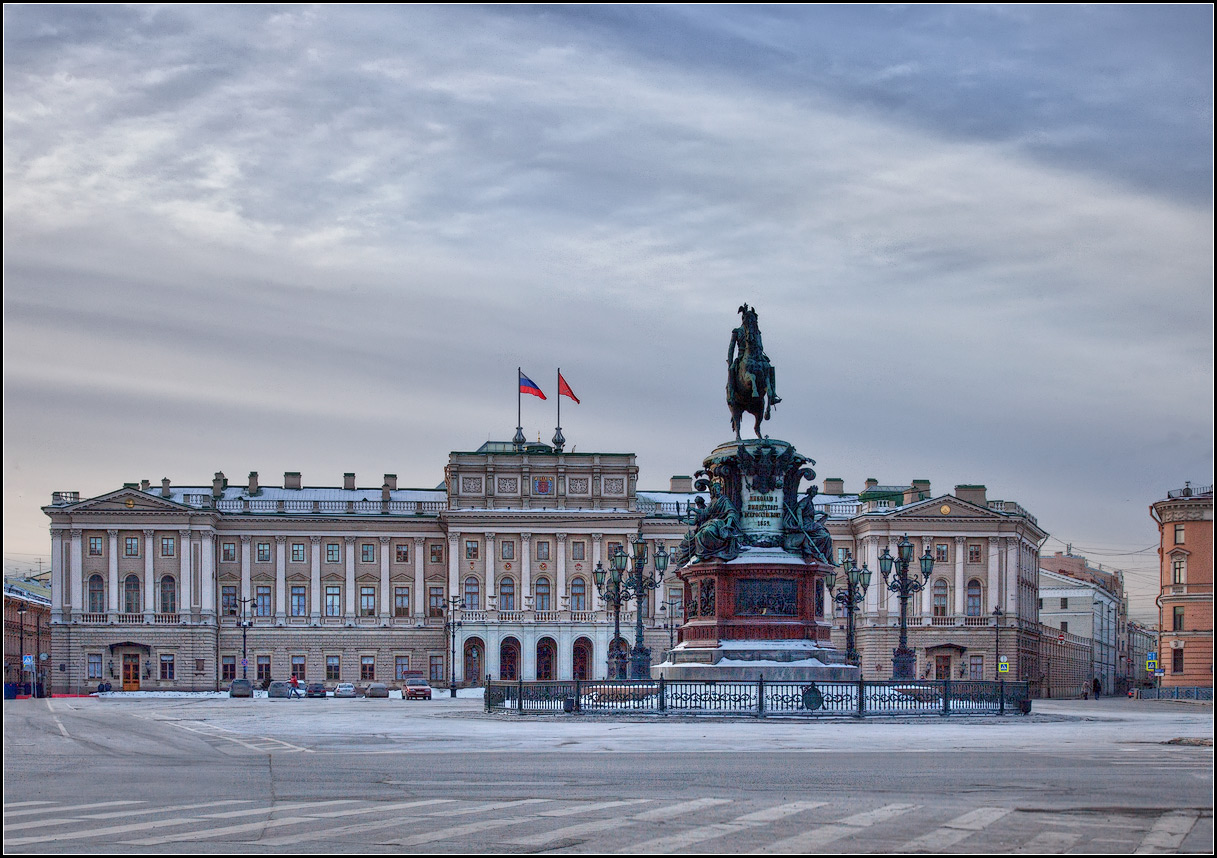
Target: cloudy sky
[323,238]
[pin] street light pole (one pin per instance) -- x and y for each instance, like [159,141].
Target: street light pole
[455,603]
[640,658]
[668,606]
[609,585]
[856,582]
[245,624]
[904,660]
[997,615]
[21,609]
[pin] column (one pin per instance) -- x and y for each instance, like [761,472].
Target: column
[1014,576]
[454,568]
[77,573]
[491,570]
[349,548]
[560,588]
[525,572]
[280,578]
[57,579]
[112,563]
[207,568]
[186,590]
[871,547]
[385,603]
[960,548]
[420,595]
[246,588]
[927,595]
[315,578]
[596,603]
[150,606]
[994,599]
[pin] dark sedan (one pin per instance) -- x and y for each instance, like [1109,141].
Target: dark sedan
[315,689]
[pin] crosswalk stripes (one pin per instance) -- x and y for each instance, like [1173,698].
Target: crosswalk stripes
[125,813]
[1049,843]
[701,833]
[1168,832]
[950,833]
[822,835]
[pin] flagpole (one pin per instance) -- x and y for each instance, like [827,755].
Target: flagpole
[518,440]
[559,441]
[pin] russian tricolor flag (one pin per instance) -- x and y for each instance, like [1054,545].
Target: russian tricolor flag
[528,386]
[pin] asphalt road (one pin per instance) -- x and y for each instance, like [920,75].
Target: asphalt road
[218,775]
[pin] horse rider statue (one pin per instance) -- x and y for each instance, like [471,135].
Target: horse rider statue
[751,382]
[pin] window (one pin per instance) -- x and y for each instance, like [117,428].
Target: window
[97,594]
[367,667]
[1178,534]
[973,553]
[675,602]
[228,668]
[94,665]
[367,601]
[471,549]
[168,595]
[578,550]
[578,594]
[973,606]
[95,545]
[297,552]
[131,546]
[941,553]
[940,598]
[613,547]
[1177,618]
[333,600]
[298,663]
[333,667]
[508,550]
[1177,661]
[403,553]
[367,552]
[842,553]
[200,665]
[401,666]
[1179,570]
[437,554]
[262,601]
[1064,626]
[435,602]
[1040,604]
[401,601]
[263,673]
[333,552]
[543,550]
[507,595]
[263,552]
[299,604]
[541,588]
[228,552]
[228,601]
[131,594]
[976,667]
[1064,603]
[472,594]
[437,668]
[166,546]
[166,666]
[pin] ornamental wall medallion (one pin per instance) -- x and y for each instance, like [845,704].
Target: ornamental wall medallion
[576,485]
[614,486]
[508,485]
[542,485]
[471,485]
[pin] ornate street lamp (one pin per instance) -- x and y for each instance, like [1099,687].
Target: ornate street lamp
[616,589]
[669,607]
[904,660]
[609,586]
[451,624]
[640,584]
[245,624]
[997,615]
[856,582]
[21,609]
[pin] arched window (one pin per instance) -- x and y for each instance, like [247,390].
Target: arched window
[97,595]
[507,595]
[578,594]
[473,594]
[131,594]
[973,606]
[940,597]
[542,590]
[168,595]
[547,657]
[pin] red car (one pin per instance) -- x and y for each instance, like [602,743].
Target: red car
[416,688]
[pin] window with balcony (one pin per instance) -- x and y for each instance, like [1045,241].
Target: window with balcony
[940,596]
[973,596]
[97,594]
[541,588]
[168,595]
[473,597]
[578,594]
[507,594]
[131,594]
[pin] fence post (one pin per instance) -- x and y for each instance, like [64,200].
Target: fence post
[861,694]
[946,696]
[760,696]
[520,694]
[662,694]
[485,696]
[1001,692]
[578,695]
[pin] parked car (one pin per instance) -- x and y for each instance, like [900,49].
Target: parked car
[241,688]
[376,689]
[279,688]
[416,688]
[314,689]
[345,689]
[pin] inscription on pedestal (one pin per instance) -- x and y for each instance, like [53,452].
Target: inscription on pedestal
[761,514]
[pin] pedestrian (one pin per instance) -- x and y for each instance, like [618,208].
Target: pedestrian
[295,692]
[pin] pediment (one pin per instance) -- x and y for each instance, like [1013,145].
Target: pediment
[128,501]
[945,507]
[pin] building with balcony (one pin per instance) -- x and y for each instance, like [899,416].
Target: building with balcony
[1185,601]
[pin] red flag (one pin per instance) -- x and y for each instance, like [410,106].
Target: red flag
[564,389]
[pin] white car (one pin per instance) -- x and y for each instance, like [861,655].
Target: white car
[345,689]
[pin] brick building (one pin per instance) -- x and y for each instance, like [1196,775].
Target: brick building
[1185,602]
[27,629]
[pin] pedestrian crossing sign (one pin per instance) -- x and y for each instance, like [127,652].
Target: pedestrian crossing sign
[1003,667]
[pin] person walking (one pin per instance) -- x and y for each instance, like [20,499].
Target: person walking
[295,692]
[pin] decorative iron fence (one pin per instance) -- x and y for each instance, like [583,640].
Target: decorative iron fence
[1179,692]
[760,698]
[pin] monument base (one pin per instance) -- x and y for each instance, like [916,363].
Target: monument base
[748,661]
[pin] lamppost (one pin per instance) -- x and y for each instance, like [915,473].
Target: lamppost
[669,608]
[904,660]
[997,615]
[21,609]
[245,623]
[609,586]
[856,582]
[451,624]
[619,589]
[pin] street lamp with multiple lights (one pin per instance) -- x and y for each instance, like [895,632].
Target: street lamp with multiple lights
[615,588]
[997,615]
[245,623]
[904,660]
[21,609]
[451,624]
[856,582]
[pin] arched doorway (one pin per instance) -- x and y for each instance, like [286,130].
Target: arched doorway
[547,659]
[619,664]
[475,652]
[581,659]
[509,659]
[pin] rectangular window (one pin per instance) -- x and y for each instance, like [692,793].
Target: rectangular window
[200,665]
[228,552]
[401,601]
[333,667]
[228,601]
[367,601]
[263,668]
[1064,626]
[167,546]
[333,552]
[131,546]
[471,549]
[166,666]
[1041,604]
[1179,570]
[263,552]
[613,548]
[842,553]
[976,667]
[368,552]
[543,550]
[973,553]
[507,550]
[94,666]
[297,552]
[437,668]
[435,602]
[1177,660]
[299,606]
[298,663]
[403,553]
[578,550]
[401,666]
[333,600]
[262,602]
[1177,618]
[941,553]
[1178,534]
[95,545]
[367,667]
[1064,604]
[228,668]
[437,554]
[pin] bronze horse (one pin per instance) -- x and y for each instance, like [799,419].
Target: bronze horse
[751,384]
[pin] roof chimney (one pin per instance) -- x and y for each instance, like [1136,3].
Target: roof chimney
[834,486]
[218,484]
[165,487]
[143,485]
[680,483]
[391,482]
[972,494]
[291,479]
[384,491]
[348,481]
[253,483]
[871,483]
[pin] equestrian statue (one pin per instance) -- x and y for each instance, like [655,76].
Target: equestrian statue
[751,385]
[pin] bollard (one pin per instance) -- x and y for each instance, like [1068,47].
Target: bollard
[760,696]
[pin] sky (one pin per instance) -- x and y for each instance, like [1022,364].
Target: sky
[318,239]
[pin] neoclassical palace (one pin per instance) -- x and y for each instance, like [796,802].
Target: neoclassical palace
[189,587]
